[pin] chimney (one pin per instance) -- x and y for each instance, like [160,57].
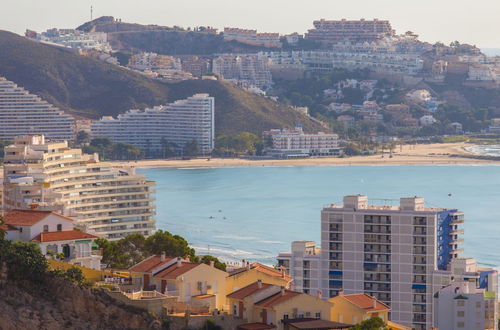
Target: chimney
[282,268]
[319,294]
[282,291]
[248,265]
[374,302]
[162,257]
[212,263]
[341,292]
[243,263]
[179,262]
[259,284]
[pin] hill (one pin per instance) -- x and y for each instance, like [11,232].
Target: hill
[91,88]
[131,37]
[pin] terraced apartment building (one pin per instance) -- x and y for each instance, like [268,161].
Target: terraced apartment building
[177,123]
[22,113]
[113,202]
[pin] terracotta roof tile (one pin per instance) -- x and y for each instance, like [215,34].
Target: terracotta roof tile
[28,217]
[316,324]
[8,227]
[364,301]
[264,269]
[203,296]
[148,264]
[247,291]
[278,298]
[172,271]
[66,235]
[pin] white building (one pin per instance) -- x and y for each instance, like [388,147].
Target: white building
[113,202]
[295,143]
[250,69]
[470,301]
[400,254]
[251,37]
[302,263]
[22,113]
[427,120]
[76,39]
[177,123]
[54,234]
[420,95]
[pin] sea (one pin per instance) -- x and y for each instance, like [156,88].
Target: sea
[254,213]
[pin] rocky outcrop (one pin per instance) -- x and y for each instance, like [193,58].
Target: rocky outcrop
[64,305]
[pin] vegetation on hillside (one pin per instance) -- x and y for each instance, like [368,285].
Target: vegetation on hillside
[134,248]
[92,88]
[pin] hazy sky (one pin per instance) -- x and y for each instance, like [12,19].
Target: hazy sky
[476,22]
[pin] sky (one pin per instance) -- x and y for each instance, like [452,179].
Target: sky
[475,22]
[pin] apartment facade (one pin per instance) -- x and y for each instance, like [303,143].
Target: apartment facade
[247,70]
[177,123]
[51,176]
[303,264]
[251,37]
[295,143]
[330,32]
[22,113]
[399,254]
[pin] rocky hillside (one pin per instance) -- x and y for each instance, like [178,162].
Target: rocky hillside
[91,88]
[67,306]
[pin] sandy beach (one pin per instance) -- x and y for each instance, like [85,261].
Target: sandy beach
[423,154]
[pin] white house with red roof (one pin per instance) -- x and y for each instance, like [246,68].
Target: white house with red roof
[54,234]
[192,283]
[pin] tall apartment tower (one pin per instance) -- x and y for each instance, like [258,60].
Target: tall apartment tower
[51,176]
[22,113]
[178,123]
[399,254]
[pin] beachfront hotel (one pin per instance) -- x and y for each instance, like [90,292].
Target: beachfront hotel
[401,254]
[293,143]
[177,123]
[22,113]
[51,176]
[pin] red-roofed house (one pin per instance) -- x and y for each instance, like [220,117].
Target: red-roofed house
[266,304]
[354,308]
[251,273]
[193,283]
[54,233]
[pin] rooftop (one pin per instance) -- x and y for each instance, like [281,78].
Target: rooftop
[175,270]
[67,235]
[148,264]
[28,217]
[248,290]
[278,298]
[366,302]
[263,269]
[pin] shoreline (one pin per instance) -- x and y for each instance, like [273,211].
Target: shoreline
[424,154]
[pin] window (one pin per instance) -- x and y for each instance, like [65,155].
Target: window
[478,304]
[59,227]
[460,303]
[318,315]
[460,324]
[285,316]
[45,228]
[461,313]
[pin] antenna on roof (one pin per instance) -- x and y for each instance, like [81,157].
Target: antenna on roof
[91,13]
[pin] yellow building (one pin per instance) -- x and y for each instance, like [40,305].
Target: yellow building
[192,283]
[264,305]
[251,273]
[354,308]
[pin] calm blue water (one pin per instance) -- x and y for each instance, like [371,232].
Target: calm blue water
[263,209]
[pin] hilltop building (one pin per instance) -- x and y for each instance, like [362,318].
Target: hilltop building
[329,33]
[176,123]
[247,70]
[51,176]
[73,39]
[54,234]
[401,254]
[22,113]
[251,37]
[292,143]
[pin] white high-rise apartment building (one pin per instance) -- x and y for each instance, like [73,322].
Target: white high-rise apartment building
[51,176]
[179,123]
[248,69]
[22,113]
[399,254]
